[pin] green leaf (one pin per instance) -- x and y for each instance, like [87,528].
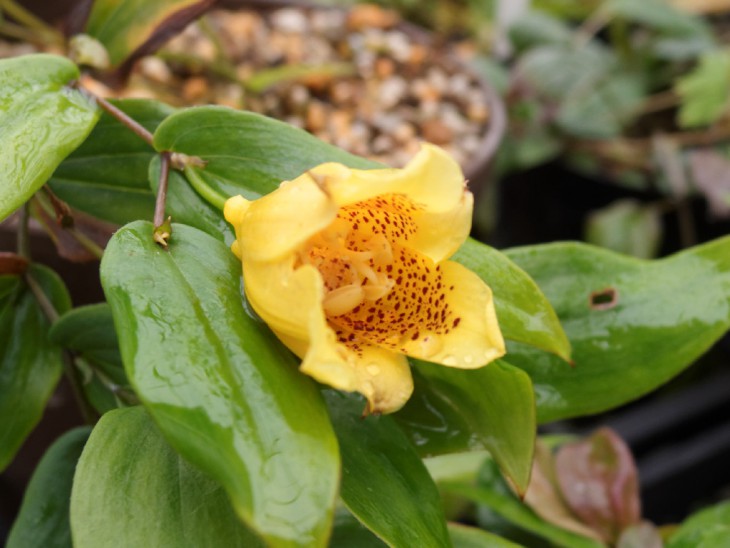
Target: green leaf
[89,332]
[659,15]
[704,91]
[107,175]
[463,536]
[626,226]
[132,489]
[633,324]
[535,28]
[30,364]
[42,121]
[708,528]
[350,533]
[124,26]
[8,285]
[225,393]
[246,153]
[384,482]
[567,9]
[454,410]
[524,314]
[595,95]
[494,493]
[604,108]
[43,519]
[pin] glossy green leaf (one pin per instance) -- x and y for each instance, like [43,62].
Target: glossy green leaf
[633,324]
[384,482]
[132,489]
[463,536]
[494,493]
[89,332]
[247,153]
[350,533]
[30,364]
[43,519]
[708,528]
[42,122]
[226,394]
[107,175]
[455,410]
[524,313]
[125,25]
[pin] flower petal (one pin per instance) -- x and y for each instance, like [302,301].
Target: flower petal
[284,298]
[382,376]
[289,301]
[429,193]
[441,313]
[279,223]
[475,339]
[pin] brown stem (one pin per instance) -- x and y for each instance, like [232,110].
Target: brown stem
[23,241]
[63,213]
[162,189]
[31,22]
[71,372]
[74,379]
[132,124]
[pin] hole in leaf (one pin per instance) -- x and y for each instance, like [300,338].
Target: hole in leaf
[604,299]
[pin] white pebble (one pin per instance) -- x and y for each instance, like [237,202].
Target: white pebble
[290,20]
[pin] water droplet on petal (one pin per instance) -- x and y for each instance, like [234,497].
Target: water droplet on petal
[449,360]
[468,359]
[430,346]
[373,369]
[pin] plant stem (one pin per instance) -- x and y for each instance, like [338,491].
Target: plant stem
[201,187]
[17,32]
[618,30]
[71,372]
[52,204]
[30,21]
[87,243]
[161,200]
[590,27]
[23,241]
[130,123]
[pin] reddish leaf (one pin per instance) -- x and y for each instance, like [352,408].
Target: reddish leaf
[11,263]
[599,482]
[78,237]
[711,174]
[641,535]
[543,495]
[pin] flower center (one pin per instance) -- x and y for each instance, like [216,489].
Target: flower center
[377,289]
[354,267]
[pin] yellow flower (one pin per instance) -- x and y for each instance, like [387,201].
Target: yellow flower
[348,267]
